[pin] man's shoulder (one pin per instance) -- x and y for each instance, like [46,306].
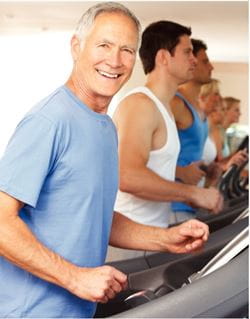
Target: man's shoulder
[53,107]
[137,96]
[177,101]
[178,107]
[135,110]
[136,102]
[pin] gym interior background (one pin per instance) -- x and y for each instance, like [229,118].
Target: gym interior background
[35,48]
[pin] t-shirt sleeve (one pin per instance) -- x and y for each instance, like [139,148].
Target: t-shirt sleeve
[28,158]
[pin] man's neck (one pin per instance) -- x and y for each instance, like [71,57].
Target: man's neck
[162,87]
[96,103]
[191,91]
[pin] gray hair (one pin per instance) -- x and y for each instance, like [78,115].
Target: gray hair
[87,19]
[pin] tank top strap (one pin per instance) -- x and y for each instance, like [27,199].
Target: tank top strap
[158,103]
[189,105]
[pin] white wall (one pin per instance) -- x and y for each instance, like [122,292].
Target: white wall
[234,82]
[31,67]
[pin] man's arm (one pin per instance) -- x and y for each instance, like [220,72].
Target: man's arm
[137,119]
[187,237]
[183,117]
[19,245]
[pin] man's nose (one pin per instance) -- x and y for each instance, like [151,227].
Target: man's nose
[115,59]
[194,60]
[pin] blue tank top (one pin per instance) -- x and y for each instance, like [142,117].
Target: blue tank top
[192,141]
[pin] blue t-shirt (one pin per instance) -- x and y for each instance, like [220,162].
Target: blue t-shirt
[62,163]
[192,140]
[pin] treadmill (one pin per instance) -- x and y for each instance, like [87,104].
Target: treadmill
[180,286]
[218,290]
[215,222]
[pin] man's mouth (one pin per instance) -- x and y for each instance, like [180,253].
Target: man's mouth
[109,75]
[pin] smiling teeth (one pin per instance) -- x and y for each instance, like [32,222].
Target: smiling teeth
[111,76]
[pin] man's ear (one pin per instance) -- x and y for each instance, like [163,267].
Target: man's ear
[162,57]
[75,47]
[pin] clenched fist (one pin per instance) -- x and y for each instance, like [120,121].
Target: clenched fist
[97,284]
[208,198]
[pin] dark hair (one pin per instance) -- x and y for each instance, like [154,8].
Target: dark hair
[197,46]
[160,35]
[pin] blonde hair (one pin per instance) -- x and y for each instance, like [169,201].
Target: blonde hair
[210,88]
[230,101]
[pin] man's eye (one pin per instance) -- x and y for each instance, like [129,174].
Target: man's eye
[130,51]
[103,45]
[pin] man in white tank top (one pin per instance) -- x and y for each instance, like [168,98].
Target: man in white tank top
[148,139]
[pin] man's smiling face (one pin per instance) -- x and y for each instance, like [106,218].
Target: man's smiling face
[106,59]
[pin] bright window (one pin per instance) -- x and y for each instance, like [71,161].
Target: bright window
[31,67]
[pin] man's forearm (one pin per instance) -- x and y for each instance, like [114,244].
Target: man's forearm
[126,233]
[20,247]
[146,184]
[186,237]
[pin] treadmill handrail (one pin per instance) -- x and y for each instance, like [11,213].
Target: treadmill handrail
[234,247]
[224,182]
[244,214]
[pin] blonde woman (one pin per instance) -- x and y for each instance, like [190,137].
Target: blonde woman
[220,116]
[209,101]
[231,115]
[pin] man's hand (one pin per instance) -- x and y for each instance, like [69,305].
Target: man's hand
[207,198]
[19,245]
[97,284]
[187,237]
[190,174]
[214,172]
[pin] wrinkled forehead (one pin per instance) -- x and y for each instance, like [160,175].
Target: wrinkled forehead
[113,27]
[115,20]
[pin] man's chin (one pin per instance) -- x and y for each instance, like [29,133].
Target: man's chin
[186,80]
[110,90]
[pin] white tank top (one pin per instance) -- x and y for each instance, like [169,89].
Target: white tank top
[208,156]
[163,162]
[209,151]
